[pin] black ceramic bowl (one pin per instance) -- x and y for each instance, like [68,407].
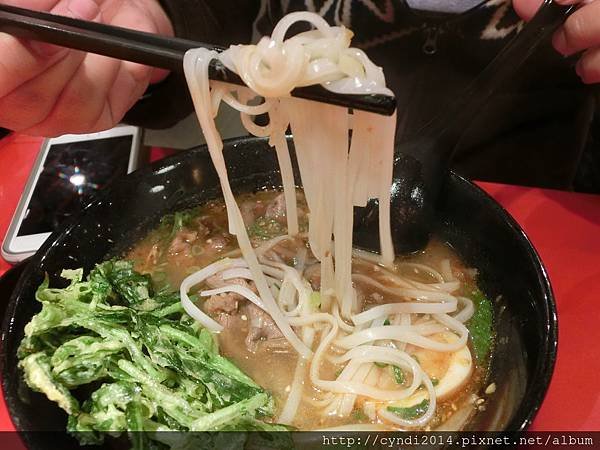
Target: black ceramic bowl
[482,233]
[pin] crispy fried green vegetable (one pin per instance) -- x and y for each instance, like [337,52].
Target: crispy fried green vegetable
[480,325]
[144,364]
[38,375]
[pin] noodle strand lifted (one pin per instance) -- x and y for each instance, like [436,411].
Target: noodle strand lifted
[345,159]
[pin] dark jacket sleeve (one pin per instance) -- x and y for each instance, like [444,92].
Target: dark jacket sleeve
[220,22]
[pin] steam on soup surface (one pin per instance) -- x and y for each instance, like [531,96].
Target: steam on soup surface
[346,387]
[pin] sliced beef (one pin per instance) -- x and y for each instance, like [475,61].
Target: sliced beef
[235,312]
[276,209]
[215,244]
[313,274]
[216,281]
[201,228]
[227,303]
[182,242]
[234,323]
[225,309]
[222,303]
[262,330]
[247,210]
[153,255]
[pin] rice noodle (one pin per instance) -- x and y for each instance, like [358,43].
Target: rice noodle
[279,141]
[404,320]
[347,400]
[301,260]
[341,323]
[422,267]
[287,298]
[339,169]
[242,273]
[467,312]
[418,294]
[294,398]
[406,308]
[240,290]
[198,277]
[404,334]
[446,270]
[357,427]
[321,403]
[420,421]
[268,245]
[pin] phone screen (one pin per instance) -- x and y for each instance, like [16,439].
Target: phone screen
[72,174]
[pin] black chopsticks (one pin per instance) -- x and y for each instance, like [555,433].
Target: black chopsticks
[153,50]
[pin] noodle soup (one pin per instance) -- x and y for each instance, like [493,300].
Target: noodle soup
[342,385]
[340,337]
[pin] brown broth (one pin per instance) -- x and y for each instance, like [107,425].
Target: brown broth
[203,238]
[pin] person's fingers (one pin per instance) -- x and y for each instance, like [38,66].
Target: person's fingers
[116,104]
[81,9]
[34,100]
[109,86]
[37,5]
[23,60]
[19,63]
[580,31]
[109,91]
[32,83]
[526,9]
[81,102]
[588,66]
[163,27]
[124,83]
[50,90]
[131,15]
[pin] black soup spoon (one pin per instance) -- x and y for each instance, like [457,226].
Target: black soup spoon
[421,163]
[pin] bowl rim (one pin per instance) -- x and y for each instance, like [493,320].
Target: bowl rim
[522,417]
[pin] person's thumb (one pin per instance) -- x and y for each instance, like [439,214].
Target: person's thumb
[526,9]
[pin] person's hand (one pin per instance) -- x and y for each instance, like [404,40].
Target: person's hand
[580,33]
[48,90]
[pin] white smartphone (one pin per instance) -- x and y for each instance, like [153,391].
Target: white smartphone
[67,173]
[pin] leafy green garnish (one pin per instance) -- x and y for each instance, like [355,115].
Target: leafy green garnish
[315,299]
[180,220]
[411,412]
[266,228]
[480,325]
[435,381]
[398,375]
[380,364]
[146,365]
[358,414]
[387,322]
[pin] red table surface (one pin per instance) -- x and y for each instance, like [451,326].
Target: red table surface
[564,228]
